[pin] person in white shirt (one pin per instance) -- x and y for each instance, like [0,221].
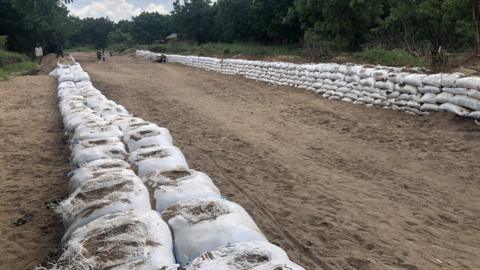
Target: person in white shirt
[39,53]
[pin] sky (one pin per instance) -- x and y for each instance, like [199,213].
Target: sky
[118,10]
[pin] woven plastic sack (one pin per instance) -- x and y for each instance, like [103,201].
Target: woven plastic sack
[99,196]
[244,255]
[157,159]
[199,226]
[138,240]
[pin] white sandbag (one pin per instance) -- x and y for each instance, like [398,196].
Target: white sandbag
[95,131]
[199,226]
[95,169]
[474,115]
[169,188]
[148,136]
[76,182]
[413,104]
[95,149]
[442,79]
[406,89]
[468,82]
[443,97]
[81,76]
[65,77]
[245,255]
[456,91]
[427,107]
[123,122]
[366,100]
[346,100]
[414,79]
[467,102]
[428,98]
[100,196]
[474,93]
[452,108]
[133,239]
[429,89]
[157,159]
[380,74]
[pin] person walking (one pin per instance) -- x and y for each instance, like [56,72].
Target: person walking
[39,53]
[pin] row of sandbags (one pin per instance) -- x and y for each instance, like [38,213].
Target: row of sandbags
[122,167]
[391,88]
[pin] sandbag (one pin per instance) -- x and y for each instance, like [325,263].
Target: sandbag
[456,91]
[467,102]
[78,181]
[429,89]
[95,131]
[100,196]
[81,76]
[245,255]
[199,226]
[95,149]
[474,93]
[406,89]
[443,97]
[452,108]
[157,159]
[135,239]
[428,98]
[474,115]
[65,77]
[148,136]
[468,82]
[169,188]
[414,79]
[430,107]
[442,79]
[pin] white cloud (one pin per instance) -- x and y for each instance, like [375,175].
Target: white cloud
[156,8]
[116,10]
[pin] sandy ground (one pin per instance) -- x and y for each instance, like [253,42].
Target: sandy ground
[338,186]
[33,164]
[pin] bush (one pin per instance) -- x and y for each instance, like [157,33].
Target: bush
[3,42]
[8,58]
[395,57]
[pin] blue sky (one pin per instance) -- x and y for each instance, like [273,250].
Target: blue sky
[118,9]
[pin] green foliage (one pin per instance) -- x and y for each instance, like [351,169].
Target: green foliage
[395,57]
[14,63]
[150,27]
[3,42]
[194,19]
[229,49]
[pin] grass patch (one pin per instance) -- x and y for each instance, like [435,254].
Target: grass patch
[228,49]
[17,69]
[81,49]
[395,57]
[12,63]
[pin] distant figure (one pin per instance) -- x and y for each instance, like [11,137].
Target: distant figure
[99,54]
[60,51]
[39,53]
[103,55]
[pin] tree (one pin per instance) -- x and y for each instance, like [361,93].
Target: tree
[150,27]
[194,19]
[476,23]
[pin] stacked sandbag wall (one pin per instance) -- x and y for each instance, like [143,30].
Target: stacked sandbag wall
[406,90]
[122,168]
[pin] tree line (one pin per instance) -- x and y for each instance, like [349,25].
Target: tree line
[321,26]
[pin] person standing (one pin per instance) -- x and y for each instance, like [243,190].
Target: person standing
[39,53]
[59,50]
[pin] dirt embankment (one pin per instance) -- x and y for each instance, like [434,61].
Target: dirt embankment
[338,186]
[33,167]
